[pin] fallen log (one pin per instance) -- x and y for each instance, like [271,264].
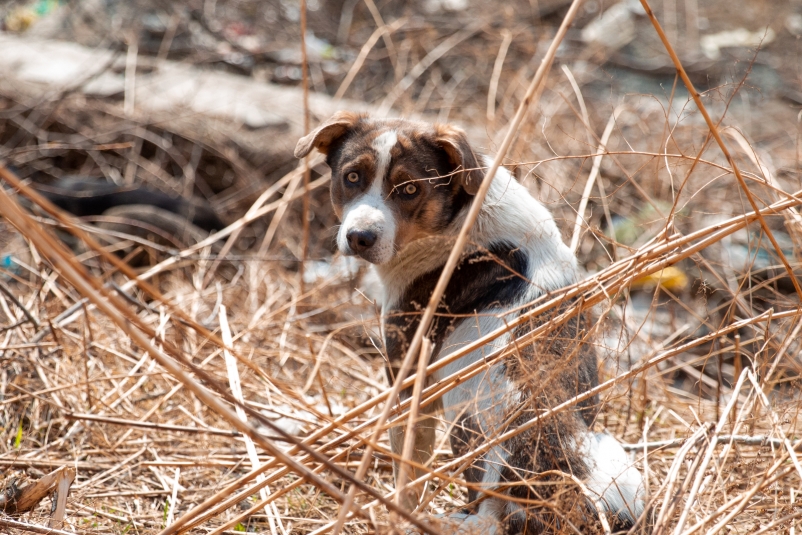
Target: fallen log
[260,120]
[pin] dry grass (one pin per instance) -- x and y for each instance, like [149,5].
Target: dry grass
[139,392]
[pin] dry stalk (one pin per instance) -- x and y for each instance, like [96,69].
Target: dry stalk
[506,40]
[594,173]
[378,33]
[307,171]
[702,469]
[32,528]
[409,436]
[236,389]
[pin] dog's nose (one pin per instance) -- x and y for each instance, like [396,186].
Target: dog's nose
[360,240]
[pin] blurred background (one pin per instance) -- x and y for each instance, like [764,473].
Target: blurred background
[207,94]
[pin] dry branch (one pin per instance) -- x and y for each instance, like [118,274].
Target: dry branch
[32,528]
[14,501]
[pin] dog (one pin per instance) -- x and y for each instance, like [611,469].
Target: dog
[402,190]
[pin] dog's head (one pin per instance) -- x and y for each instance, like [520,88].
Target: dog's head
[393,181]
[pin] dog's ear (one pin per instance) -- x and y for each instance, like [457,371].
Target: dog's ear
[324,135]
[454,142]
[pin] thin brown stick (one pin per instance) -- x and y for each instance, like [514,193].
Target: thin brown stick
[409,436]
[307,171]
[265,195]
[33,528]
[745,440]
[506,40]
[388,40]
[428,60]
[8,293]
[363,54]
[151,425]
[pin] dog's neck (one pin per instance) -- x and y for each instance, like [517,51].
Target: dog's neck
[416,259]
[509,215]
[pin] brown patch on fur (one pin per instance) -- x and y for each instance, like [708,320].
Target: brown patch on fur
[454,141]
[426,214]
[362,159]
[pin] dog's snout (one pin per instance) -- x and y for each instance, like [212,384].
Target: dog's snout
[360,240]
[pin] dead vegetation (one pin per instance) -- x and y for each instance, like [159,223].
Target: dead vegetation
[215,389]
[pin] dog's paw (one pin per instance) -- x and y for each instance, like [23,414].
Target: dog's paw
[461,524]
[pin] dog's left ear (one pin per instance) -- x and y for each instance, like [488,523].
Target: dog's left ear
[324,135]
[455,143]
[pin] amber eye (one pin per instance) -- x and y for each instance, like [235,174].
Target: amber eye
[410,189]
[352,177]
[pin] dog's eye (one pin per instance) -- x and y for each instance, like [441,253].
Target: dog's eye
[352,177]
[410,189]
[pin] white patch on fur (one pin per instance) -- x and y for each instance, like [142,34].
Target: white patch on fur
[486,394]
[486,397]
[383,144]
[613,477]
[510,214]
[369,211]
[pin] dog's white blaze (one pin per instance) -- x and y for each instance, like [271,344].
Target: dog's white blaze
[369,211]
[613,476]
[383,144]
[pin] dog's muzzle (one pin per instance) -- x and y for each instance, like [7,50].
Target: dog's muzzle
[368,232]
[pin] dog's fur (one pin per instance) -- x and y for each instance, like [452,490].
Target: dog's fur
[516,254]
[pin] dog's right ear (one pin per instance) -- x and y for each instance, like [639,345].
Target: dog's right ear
[324,135]
[454,142]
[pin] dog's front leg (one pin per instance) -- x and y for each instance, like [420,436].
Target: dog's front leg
[422,450]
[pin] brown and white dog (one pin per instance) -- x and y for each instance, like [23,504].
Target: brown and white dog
[402,190]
